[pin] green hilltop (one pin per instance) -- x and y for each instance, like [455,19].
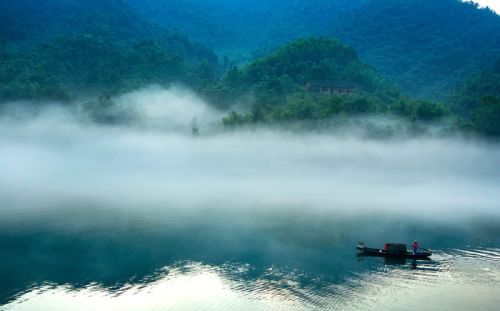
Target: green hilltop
[420,60]
[426,47]
[315,79]
[66,49]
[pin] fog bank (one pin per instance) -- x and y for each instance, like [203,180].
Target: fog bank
[58,156]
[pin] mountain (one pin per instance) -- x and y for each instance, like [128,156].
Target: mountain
[467,98]
[27,23]
[306,60]
[246,28]
[64,48]
[427,47]
[315,79]
[477,101]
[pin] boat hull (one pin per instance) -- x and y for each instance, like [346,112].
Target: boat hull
[382,253]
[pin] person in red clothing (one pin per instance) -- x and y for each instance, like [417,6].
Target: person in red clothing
[415,247]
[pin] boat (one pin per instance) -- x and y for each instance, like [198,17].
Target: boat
[394,250]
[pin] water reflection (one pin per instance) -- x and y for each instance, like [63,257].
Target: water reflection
[189,286]
[261,260]
[392,260]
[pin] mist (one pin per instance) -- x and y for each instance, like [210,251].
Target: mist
[59,156]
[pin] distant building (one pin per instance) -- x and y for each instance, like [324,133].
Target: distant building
[330,88]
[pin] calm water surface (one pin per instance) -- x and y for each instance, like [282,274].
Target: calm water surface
[97,258]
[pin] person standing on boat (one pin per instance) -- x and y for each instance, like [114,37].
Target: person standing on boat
[415,247]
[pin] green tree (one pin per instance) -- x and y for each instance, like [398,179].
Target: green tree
[487,117]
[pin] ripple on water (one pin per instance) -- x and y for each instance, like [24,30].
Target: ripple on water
[255,286]
[243,286]
[486,254]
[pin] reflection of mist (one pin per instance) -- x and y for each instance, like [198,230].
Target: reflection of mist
[193,286]
[189,286]
[58,155]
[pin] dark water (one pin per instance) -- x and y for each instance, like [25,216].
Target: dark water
[97,258]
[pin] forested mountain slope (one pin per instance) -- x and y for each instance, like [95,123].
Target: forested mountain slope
[244,28]
[26,23]
[427,47]
[281,87]
[468,96]
[61,48]
[478,101]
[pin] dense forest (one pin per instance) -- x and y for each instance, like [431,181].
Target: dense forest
[426,47]
[269,61]
[478,101]
[27,23]
[68,48]
[282,86]
[246,28]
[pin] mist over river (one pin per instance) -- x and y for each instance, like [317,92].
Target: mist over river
[142,215]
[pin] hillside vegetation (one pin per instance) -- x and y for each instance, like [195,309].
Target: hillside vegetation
[399,58]
[426,47]
[245,29]
[27,23]
[277,85]
[63,49]
[478,101]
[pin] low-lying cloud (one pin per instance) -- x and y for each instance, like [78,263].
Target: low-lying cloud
[57,155]
[173,109]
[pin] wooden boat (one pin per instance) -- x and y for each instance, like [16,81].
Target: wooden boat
[394,250]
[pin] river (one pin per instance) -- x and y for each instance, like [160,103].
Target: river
[98,258]
[137,217]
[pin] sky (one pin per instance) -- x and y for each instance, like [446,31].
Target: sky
[493,4]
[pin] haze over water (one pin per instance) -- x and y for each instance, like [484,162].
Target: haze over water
[141,215]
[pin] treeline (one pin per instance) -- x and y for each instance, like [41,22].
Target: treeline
[280,87]
[275,90]
[111,50]
[69,48]
[25,24]
[89,65]
[426,47]
[245,29]
[477,102]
